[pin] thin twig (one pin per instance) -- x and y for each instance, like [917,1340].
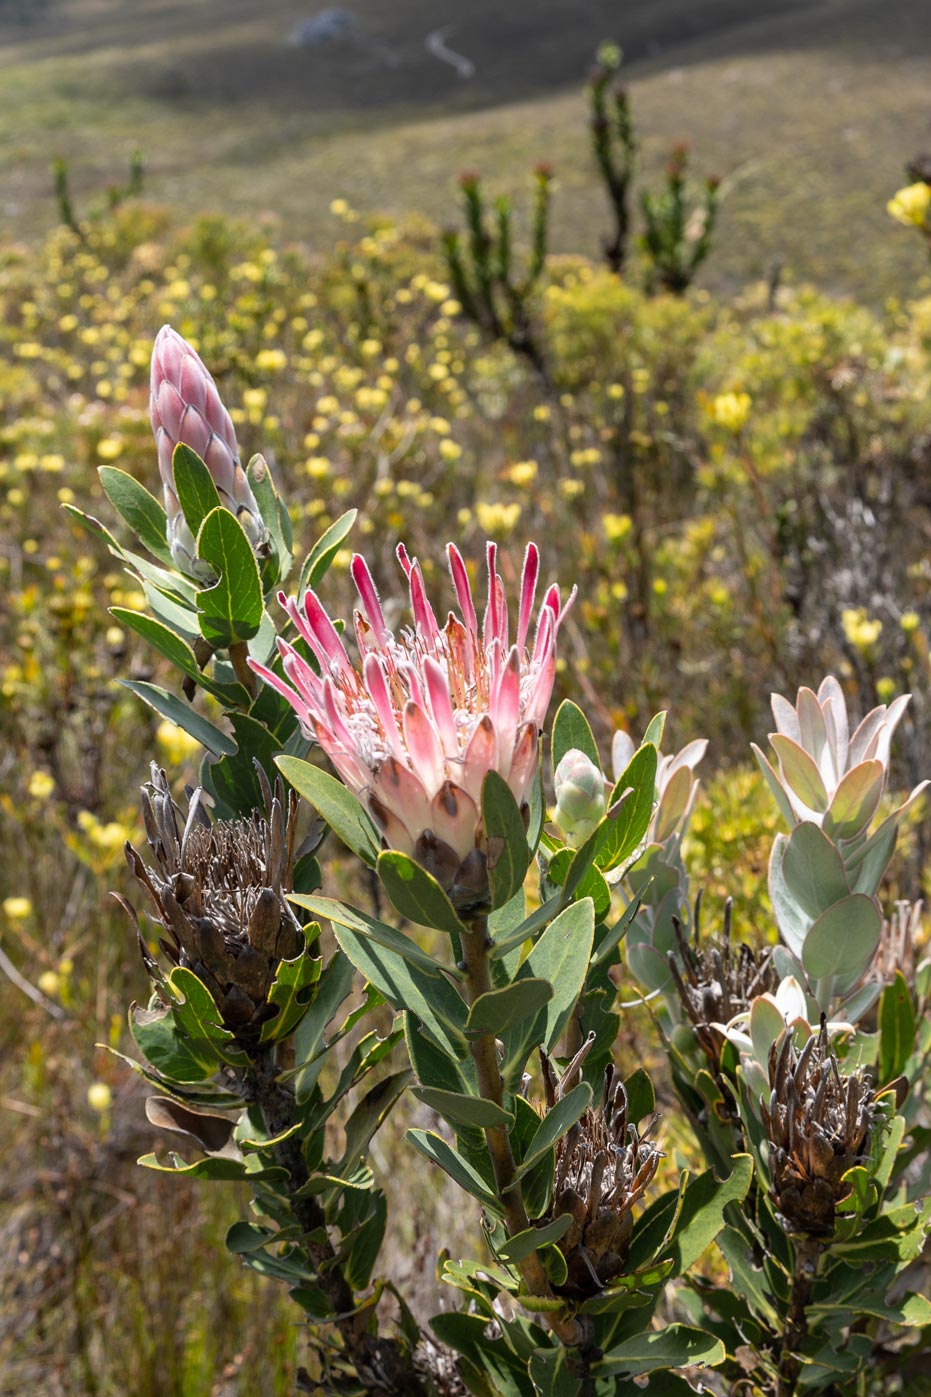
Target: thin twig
[21,983]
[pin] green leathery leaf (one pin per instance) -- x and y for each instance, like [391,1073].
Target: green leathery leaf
[333,988]
[641,1098]
[748,1279]
[555,1123]
[792,921]
[197,494]
[523,1243]
[813,870]
[498,1010]
[324,551]
[231,610]
[675,1346]
[375,930]
[843,940]
[291,992]
[185,1040]
[505,942]
[368,1116]
[800,772]
[609,943]
[233,780]
[433,1001]
[93,526]
[508,851]
[175,709]
[214,1168]
[260,480]
[855,800]
[701,1215]
[462,1110]
[560,957]
[360,1249]
[896,1029]
[140,510]
[338,806]
[566,864]
[571,730]
[434,1148]
[655,729]
[627,829]
[171,645]
[416,894]
[434,1066]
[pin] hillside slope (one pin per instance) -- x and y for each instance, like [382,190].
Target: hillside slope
[813,109]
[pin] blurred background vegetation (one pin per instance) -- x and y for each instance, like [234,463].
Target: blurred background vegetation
[737,478]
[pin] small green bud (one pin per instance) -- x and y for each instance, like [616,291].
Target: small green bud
[581,795]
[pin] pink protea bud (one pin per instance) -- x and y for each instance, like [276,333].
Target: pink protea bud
[186,407]
[415,728]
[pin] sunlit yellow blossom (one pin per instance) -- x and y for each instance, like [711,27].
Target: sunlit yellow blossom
[271,360]
[497,519]
[41,785]
[177,745]
[16,909]
[449,450]
[861,632]
[99,1097]
[49,983]
[617,527]
[571,489]
[522,473]
[909,621]
[910,205]
[731,410]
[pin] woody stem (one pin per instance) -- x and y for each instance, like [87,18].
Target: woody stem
[485,1057]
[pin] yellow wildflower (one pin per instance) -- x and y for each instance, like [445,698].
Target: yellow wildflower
[731,410]
[41,785]
[910,205]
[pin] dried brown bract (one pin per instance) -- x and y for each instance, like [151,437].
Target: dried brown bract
[603,1167]
[818,1122]
[219,891]
[718,980]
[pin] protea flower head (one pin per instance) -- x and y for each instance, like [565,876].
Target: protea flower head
[818,1121]
[416,726]
[603,1167]
[185,406]
[219,890]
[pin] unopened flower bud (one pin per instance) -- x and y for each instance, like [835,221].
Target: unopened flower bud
[185,407]
[581,795]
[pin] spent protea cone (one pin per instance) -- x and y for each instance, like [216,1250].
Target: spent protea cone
[604,1165]
[219,890]
[414,728]
[717,980]
[185,407]
[818,1121]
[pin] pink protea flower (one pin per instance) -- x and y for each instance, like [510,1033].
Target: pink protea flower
[185,406]
[431,711]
